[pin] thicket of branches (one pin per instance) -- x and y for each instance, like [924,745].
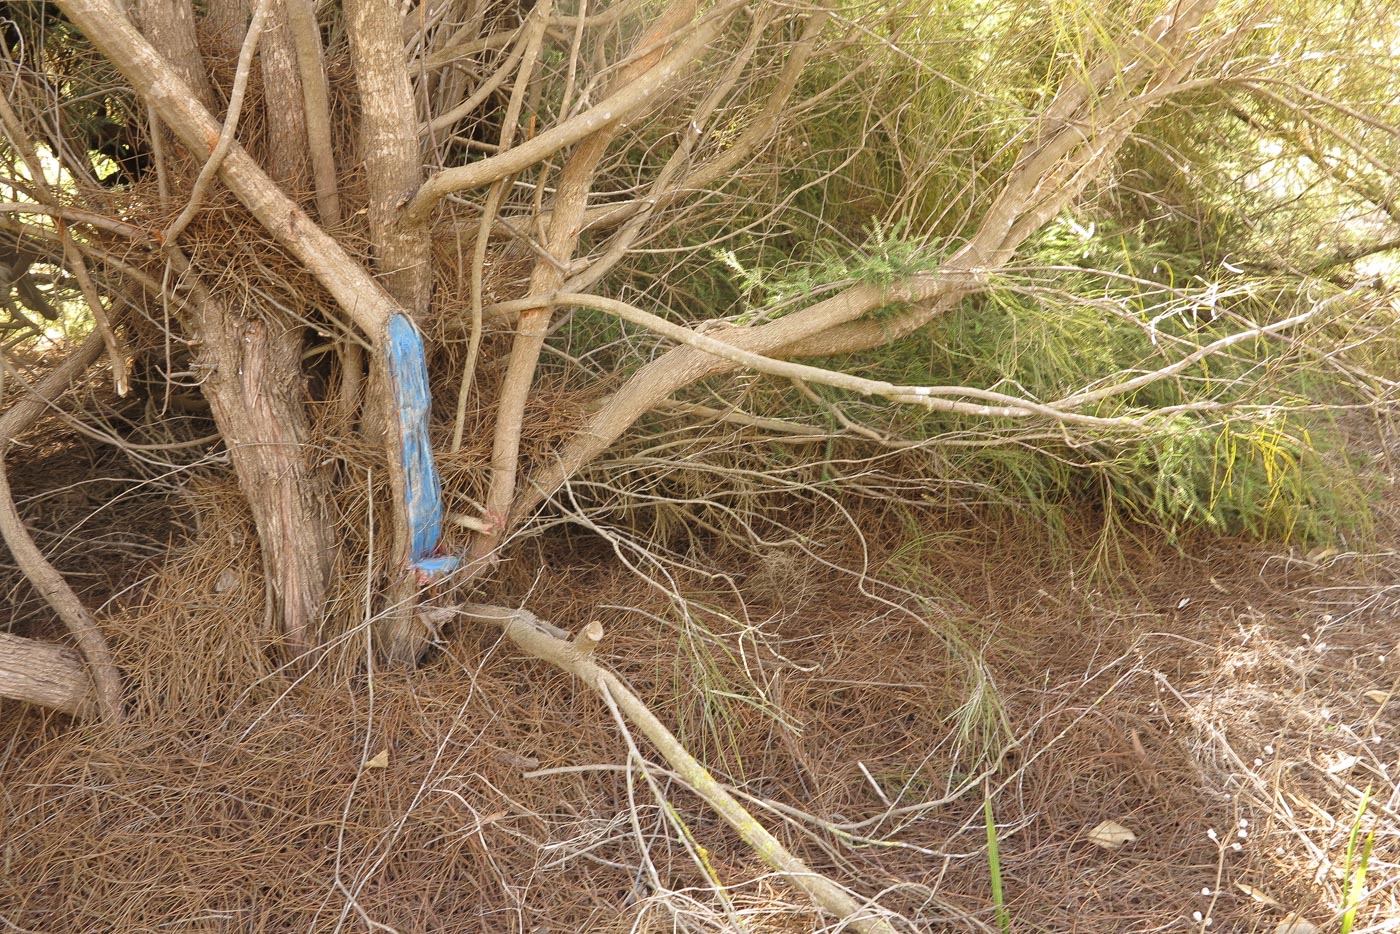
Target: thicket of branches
[673,262]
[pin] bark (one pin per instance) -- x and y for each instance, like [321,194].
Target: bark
[169,26]
[45,674]
[306,39]
[389,144]
[283,103]
[226,22]
[255,390]
[271,431]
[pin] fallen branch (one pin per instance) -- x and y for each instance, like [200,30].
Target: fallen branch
[45,674]
[550,644]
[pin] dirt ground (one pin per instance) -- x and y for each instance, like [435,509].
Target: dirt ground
[1229,704]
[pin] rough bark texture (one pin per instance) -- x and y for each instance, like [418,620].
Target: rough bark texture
[45,674]
[226,22]
[255,390]
[169,26]
[288,161]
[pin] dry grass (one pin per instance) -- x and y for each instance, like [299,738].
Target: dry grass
[1225,688]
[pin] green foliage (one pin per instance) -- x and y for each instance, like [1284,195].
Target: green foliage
[994,862]
[885,257]
[1240,449]
[1358,859]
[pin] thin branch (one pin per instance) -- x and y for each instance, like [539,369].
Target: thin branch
[116,352]
[935,398]
[630,98]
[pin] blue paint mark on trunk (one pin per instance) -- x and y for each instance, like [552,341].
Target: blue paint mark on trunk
[408,371]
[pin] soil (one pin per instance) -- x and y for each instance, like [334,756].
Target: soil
[1230,705]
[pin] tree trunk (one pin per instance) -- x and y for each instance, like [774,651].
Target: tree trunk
[388,134]
[255,389]
[254,380]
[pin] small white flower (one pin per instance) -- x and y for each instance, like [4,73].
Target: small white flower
[1212,834]
[1205,891]
[1244,821]
[1236,847]
[1242,834]
[1196,916]
[1269,749]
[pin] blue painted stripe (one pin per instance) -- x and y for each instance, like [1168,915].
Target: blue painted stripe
[408,370]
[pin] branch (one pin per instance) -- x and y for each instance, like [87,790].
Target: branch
[630,98]
[722,166]
[935,398]
[44,673]
[151,76]
[641,70]
[543,641]
[44,577]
